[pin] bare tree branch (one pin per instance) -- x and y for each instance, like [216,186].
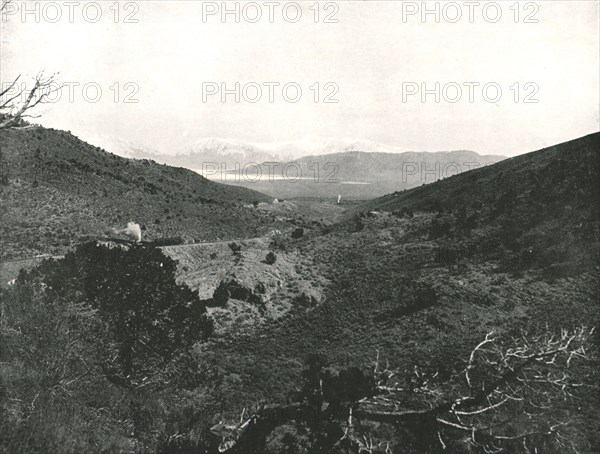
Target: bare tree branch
[4,4]
[511,377]
[13,111]
[488,339]
[10,87]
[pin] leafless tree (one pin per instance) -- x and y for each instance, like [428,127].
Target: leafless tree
[17,101]
[504,386]
[504,396]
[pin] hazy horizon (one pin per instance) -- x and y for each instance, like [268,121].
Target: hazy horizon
[372,57]
[301,147]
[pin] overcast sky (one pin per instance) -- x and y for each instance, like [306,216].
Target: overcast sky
[376,54]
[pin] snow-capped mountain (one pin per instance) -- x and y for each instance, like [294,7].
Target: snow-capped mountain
[231,151]
[362,168]
[317,145]
[210,148]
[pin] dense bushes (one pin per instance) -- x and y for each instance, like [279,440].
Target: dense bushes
[439,228]
[87,343]
[149,315]
[52,380]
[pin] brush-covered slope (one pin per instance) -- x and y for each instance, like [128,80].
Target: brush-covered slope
[569,169]
[401,288]
[56,189]
[422,288]
[544,205]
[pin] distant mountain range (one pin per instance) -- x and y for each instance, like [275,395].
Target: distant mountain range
[353,174]
[232,151]
[313,167]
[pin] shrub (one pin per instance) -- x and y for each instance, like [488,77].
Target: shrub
[358,224]
[235,248]
[439,229]
[270,258]
[260,288]
[221,294]
[298,233]
[60,349]
[150,317]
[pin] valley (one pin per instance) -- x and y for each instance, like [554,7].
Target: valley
[362,170]
[414,279]
[369,260]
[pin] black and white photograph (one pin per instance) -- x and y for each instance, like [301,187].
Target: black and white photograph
[299,227]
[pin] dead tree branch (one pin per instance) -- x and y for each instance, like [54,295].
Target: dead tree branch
[17,102]
[512,375]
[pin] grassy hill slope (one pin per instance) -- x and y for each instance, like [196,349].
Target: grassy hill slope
[56,189]
[542,206]
[563,176]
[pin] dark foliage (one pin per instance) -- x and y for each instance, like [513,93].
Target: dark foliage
[150,316]
[94,351]
[235,248]
[270,258]
[221,294]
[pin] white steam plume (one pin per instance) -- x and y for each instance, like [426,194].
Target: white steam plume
[132,231]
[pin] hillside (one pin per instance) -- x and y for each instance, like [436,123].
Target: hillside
[411,285]
[421,286]
[542,206]
[57,189]
[568,169]
[409,167]
[357,174]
